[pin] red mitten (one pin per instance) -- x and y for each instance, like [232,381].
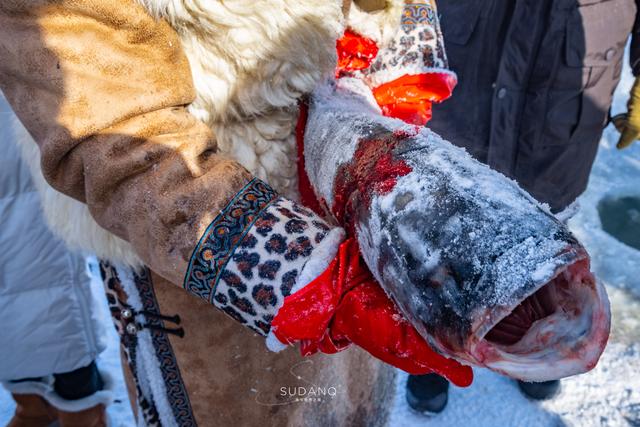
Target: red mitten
[368,318]
[410,97]
[345,305]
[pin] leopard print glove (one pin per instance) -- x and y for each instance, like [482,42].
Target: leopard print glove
[258,250]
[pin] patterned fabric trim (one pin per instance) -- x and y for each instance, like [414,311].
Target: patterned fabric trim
[117,300]
[417,47]
[222,236]
[176,391]
[128,324]
[415,14]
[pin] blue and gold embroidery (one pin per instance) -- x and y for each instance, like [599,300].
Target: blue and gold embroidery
[417,14]
[223,235]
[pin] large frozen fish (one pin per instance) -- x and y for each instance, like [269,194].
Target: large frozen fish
[487,275]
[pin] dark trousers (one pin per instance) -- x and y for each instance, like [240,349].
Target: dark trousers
[76,384]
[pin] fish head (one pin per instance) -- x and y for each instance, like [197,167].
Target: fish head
[559,329]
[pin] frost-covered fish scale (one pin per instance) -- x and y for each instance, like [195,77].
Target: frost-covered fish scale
[486,274]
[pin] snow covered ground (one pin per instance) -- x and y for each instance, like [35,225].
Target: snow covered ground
[607,396]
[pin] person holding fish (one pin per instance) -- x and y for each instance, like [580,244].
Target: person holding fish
[214,151]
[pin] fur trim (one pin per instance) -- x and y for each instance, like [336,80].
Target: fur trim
[102,397]
[28,387]
[45,390]
[274,344]
[266,146]
[323,254]
[385,76]
[381,25]
[68,218]
[251,62]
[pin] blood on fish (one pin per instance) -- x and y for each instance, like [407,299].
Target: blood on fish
[372,171]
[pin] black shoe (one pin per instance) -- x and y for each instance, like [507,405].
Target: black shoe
[540,391]
[80,383]
[427,394]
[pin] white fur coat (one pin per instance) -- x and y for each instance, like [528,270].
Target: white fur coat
[251,62]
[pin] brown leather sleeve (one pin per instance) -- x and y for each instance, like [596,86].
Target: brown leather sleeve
[102,87]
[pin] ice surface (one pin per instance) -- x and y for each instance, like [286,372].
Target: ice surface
[608,396]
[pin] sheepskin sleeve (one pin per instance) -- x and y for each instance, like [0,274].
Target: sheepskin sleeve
[102,87]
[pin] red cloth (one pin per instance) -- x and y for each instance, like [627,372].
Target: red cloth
[409,97]
[355,52]
[345,305]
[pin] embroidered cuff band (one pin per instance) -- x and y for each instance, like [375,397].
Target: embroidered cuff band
[260,249]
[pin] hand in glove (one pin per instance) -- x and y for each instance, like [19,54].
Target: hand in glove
[628,124]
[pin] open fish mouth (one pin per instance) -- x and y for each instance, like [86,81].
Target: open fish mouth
[559,330]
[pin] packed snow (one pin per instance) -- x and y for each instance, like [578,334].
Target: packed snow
[607,396]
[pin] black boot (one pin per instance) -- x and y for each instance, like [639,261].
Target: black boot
[540,391]
[80,383]
[427,394]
